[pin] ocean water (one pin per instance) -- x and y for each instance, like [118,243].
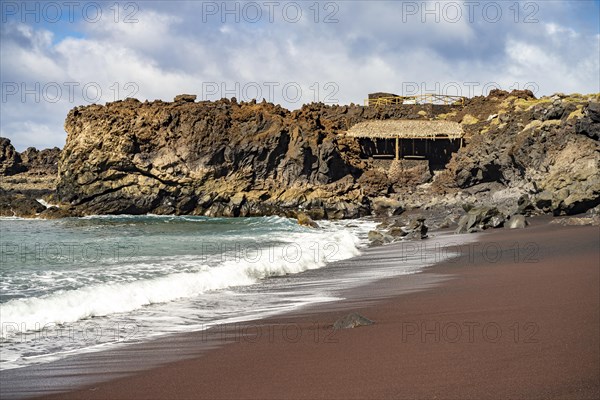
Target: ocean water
[84,284]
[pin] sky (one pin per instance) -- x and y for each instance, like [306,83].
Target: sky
[56,55]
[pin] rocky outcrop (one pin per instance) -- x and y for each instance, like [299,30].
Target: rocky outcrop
[219,158]
[396,229]
[521,155]
[43,162]
[18,204]
[10,159]
[546,148]
[377,238]
[26,177]
[589,125]
[385,206]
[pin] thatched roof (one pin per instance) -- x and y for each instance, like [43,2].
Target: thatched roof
[406,129]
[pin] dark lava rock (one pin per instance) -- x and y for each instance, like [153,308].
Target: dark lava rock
[517,221]
[590,124]
[543,201]
[524,205]
[480,218]
[352,321]
[185,98]
[377,238]
[188,157]
[10,160]
[416,229]
[18,204]
[41,161]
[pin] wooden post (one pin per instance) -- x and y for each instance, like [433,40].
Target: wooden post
[397,139]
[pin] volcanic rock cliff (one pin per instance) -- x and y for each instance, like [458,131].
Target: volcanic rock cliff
[227,158]
[219,158]
[25,177]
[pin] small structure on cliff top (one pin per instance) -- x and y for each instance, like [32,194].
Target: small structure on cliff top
[409,139]
[386,99]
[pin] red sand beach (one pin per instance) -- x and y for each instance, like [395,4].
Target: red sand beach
[506,324]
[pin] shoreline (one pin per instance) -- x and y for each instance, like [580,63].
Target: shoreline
[50,375]
[275,342]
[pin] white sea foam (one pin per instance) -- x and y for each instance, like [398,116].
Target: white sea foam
[46,204]
[308,249]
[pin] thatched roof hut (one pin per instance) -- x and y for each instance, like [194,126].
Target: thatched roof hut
[406,129]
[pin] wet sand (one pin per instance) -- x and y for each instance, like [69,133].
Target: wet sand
[516,315]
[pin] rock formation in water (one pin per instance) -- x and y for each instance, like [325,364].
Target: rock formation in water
[25,177]
[226,158]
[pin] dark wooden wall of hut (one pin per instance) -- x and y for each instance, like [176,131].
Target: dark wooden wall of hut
[437,152]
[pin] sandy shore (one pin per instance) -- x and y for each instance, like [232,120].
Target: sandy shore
[518,318]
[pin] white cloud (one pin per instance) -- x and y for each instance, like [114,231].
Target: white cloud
[25,134]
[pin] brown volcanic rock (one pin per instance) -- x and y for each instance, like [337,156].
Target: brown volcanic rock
[227,158]
[191,157]
[534,145]
[194,157]
[43,162]
[19,205]
[10,160]
[25,178]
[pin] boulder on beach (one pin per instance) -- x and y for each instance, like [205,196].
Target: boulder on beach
[416,229]
[384,206]
[524,205]
[543,201]
[480,218]
[10,159]
[517,221]
[352,320]
[377,238]
[396,232]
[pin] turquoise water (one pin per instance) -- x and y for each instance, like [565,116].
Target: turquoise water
[81,284]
